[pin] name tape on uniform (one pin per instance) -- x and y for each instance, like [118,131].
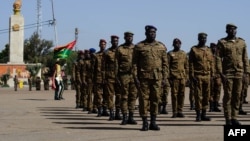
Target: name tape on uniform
[239,132]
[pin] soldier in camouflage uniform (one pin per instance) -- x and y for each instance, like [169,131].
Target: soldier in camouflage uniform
[84,86]
[233,54]
[76,78]
[215,83]
[178,72]
[124,73]
[111,80]
[200,72]
[100,95]
[150,68]
[245,80]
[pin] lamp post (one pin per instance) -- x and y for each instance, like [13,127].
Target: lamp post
[76,37]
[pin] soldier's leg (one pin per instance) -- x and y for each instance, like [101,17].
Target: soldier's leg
[143,95]
[124,80]
[78,95]
[198,97]
[164,99]
[205,97]
[237,88]
[217,93]
[105,100]
[191,95]
[174,92]
[110,95]
[227,97]
[117,101]
[181,98]
[131,102]
[90,98]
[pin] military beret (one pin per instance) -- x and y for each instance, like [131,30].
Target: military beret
[212,44]
[147,27]
[86,51]
[114,36]
[92,50]
[176,40]
[231,25]
[202,33]
[102,40]
[128,33]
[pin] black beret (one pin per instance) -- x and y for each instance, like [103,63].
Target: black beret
[80,52]
[176,40]
[231,25]
[202,33]
[212,44]
[114,36]
[128,33]
[147,27]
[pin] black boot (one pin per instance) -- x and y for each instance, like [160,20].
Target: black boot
[105,112]
[204,117]
[124,119]
[117,114]
[198,115]
[164,110]
[245,101]
[241,111]
[153,125]
[211,106]
[99,113]
[77,105]
[159,108]
[111,115]
[131,118]
[144,124]
[228,121]
[235,122]
[216,108]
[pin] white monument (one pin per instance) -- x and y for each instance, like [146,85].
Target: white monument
[16,35]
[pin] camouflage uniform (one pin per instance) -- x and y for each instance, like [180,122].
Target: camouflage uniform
[113,88]
[178,70]
[98,78]
[149,68]
[15,79]
[124,73]
[200,72]
[233,54]
[162,107]
[76,79]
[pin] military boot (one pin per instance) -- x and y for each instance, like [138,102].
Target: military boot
[117,114]
[216,108]
[198,115]
[204,117]
[111,115]
[153,125]
[144,124]
[124,119]
[105,112]
[131,118]
[164,109]
[228,121]
[235,122]
[99,113]
[77,105]
[241,111]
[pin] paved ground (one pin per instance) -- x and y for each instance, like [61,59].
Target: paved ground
[36,116]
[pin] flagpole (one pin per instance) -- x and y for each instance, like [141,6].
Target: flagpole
[76,37]
[54,23]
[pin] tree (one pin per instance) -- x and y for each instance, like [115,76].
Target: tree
[4,54]
[35,48]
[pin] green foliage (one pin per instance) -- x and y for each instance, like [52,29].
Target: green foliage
[4,54]
[4,79]
[33,69]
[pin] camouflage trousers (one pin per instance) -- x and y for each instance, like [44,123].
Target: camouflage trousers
[231,99]
[164,95]
[100,97]
[216,89]
[114,95]
[149,93]
[178,95]
[128,93]
[202,92]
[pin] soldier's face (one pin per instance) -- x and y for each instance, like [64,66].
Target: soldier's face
[231,31]
[151,34]
[128,38]
[115,42]
[102,45]
[202,39]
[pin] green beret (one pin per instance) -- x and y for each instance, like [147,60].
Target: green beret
[128,33]
[231,25]
[202,33]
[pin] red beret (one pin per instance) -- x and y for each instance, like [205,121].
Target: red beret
[102,40]
[80,52]
[114,36]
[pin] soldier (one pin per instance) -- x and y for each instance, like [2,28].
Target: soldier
[76,78]
[178,72]
[234,63]
[215,83]
[200,72]
[30,83]
[99,75]
[15,82]
[38,83]
[84,86]
[111,80]
[124,73]
[150,68]
[191,94]
[46,83]
[57,83]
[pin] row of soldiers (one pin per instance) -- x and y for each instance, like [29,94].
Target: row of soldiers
[112,79]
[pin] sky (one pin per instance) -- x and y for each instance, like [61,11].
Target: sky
[99,19]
